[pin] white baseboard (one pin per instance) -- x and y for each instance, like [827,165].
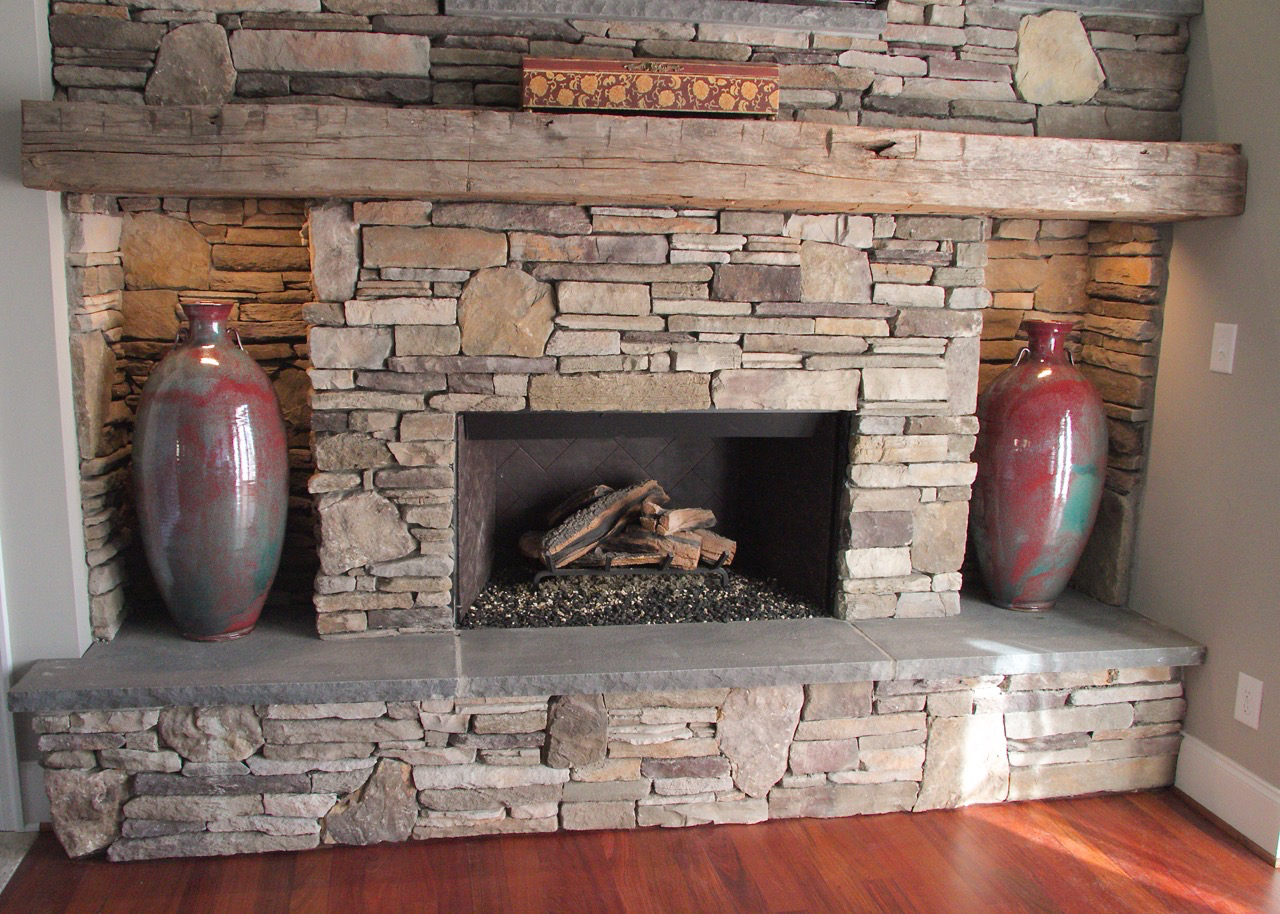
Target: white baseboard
[1231,792]
[35,803]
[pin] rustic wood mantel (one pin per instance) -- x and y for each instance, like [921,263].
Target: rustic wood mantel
[438,154]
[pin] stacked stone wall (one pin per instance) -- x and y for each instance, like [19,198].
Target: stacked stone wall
[1110,279]
[951,65]
[148,256]
[966,66]
[197,781]
[492,307]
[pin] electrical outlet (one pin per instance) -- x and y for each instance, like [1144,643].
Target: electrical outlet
[1249,701]
[1222,355]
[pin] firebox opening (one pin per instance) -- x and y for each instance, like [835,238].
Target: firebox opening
[770,478]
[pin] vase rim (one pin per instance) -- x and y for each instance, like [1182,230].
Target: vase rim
[216,310]
[1049,324]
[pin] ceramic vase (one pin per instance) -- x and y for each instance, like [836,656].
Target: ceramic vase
[1041,455]
[211,479]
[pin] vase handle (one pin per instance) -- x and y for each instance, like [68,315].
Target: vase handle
[238,342]
[1018,360]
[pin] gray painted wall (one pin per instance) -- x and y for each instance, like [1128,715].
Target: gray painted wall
[1208,559]
[41,537]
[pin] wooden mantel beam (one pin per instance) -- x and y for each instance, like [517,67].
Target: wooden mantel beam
[439,154]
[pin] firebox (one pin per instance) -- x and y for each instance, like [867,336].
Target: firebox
[771,479]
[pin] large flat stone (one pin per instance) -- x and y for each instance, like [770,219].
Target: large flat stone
[504,311]
[755,731]
[966,762]
[362,529]
[384,809]
[836,20]
[282,662]
[193,67]
[162,252]
[1074,779]
[433,248]
[149,666]
[646,657]
[335,250]
[1078,634]
[788,389]
[1056,63]
[334,53]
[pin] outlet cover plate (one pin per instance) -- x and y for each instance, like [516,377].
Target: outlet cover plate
[1222,356]
[1249,701]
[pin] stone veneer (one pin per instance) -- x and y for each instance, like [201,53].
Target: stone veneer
[1108,276]
[183,781]
[131,262]
[458,307]
[964,65]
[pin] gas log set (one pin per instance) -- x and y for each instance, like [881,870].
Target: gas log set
[601,530]
[622,556]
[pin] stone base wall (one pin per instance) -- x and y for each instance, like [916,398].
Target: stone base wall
[963,65]
[431,310]
[202,781]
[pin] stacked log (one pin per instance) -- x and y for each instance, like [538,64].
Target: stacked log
[603,527]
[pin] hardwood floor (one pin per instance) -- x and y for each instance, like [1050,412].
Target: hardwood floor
[1147,852]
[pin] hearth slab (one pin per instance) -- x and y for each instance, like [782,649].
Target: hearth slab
[149,665]
[559,661]
[1077,634]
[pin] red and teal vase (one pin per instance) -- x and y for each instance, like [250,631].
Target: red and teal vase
[1042,458]
[211,480]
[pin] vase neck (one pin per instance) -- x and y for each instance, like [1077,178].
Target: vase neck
[1048,339]
[206,322]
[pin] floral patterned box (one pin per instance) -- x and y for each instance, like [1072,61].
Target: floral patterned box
[652,86]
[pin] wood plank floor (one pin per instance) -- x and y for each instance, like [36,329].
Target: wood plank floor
[1146,852]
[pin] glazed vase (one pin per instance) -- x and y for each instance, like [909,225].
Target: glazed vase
[211,480]
[1041,455]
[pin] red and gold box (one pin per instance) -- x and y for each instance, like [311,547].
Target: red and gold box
[651,86]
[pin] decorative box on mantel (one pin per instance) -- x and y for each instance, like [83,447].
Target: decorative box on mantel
[651,86]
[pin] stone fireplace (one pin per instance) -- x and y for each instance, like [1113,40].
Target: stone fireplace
[442,333]
[458,309]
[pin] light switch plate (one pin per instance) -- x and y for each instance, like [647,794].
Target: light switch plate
[1222,357]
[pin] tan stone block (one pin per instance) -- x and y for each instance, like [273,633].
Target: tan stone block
[841,800]
[676,748]
[392,212]
[402,311]
[622,391]
[1052,721]
[603,298]
[1075,779]
[164,252]
[441,248]
[1063,287]
[351,53]
[1005,275]
[1129,271]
